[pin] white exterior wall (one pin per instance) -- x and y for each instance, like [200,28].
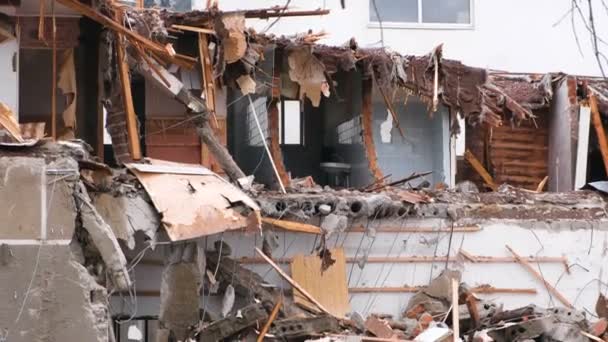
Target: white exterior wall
[9,87]
[570,239]
[515,35]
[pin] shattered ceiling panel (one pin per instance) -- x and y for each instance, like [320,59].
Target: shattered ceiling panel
[194,205]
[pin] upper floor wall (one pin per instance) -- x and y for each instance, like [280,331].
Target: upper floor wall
[514,35]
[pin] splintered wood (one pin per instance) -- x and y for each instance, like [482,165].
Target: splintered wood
[328,287]
[470,157]
[599,130]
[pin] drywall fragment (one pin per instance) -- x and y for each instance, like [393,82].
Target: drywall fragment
[67,84]
[104,239]
[385,129]
[231,29]
[228,300]
[246,84]
[308,71]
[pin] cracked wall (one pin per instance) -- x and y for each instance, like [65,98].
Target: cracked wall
[47,294]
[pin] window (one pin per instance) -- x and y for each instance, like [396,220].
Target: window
[253,137]
[349,132]
[290,116]
[421,13]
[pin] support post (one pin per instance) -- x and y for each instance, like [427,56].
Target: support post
[599,130]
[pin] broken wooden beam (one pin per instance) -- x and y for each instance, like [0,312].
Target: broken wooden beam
[273,315]
[293,226]
[291,281]
[455,311]
[127,96]
[368,132]
[193,29]
[600,132]
[275,145]
[110,23]
[538,276]
[470,157]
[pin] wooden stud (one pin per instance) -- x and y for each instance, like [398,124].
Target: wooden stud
[538,276]
[273,315]
[599,130]
[292,282]
[455,311]
[55,80]
[367,123]
[127,96]
[193,29]
[293,226]
[470,157]
[542,184]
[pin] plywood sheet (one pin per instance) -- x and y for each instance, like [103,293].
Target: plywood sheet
[329,288]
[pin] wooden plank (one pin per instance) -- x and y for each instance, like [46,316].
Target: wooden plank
[599,130]
[455,311]
[273,315]
[292,282]
[468,155]
[538,276]
[329,287]
[54,79]
[193,29]
[110,23]
[293,226]
[127,96]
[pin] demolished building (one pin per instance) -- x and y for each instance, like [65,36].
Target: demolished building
[235,154]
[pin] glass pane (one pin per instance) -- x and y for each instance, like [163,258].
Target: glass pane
[254,137]
[292,122]
[446,11]
[399,11]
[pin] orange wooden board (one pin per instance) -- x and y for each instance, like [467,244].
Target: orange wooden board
[329,288]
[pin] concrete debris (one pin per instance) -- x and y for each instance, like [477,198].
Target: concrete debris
[103,238]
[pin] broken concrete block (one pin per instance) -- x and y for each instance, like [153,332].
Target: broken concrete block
[104,239]
[179,298]
[63,302]
[333,223]
[22,197]
[127,215]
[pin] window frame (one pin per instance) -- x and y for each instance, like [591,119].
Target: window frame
[282,122]
[420,24]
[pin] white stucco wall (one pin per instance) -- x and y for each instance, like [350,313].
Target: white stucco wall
[9,87]
[582,243]
[516,35]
